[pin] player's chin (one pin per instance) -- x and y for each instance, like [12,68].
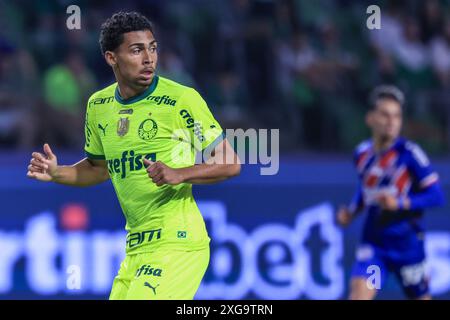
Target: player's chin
[390,134]
[393,135]
[144,80]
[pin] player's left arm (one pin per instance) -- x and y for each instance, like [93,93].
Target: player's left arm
[223,164]
[430,193]
[429,197]
[200,129]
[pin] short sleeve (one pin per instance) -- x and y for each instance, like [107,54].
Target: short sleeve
[93,147]
[201,128]
[420,166]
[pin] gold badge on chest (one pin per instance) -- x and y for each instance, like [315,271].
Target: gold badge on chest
[122,126]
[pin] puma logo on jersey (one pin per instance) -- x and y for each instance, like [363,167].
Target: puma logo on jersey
[103,129]
[146,284]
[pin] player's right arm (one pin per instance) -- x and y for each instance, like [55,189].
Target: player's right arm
[347,213]
[86,172]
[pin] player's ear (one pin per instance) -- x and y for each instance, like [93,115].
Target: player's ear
[110,58]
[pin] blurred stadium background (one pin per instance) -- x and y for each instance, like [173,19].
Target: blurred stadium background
[304,67]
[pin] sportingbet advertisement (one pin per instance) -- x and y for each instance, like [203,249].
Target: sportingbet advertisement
[272,237]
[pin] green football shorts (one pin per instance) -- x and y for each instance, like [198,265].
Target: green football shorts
[160,275]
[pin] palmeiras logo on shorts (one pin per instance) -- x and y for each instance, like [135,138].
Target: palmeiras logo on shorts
[122,126]
[147,129]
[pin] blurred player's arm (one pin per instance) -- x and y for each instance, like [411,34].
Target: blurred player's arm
[429,194]
[224,163]
[346,214]
[428,197]
[432,196]
[86,172]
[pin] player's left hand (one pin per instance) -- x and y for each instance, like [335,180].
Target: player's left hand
[388,202]
[162,174]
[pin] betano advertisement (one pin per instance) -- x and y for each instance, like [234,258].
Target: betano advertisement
[273,237]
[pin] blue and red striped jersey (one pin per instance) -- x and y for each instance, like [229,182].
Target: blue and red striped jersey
[403,170]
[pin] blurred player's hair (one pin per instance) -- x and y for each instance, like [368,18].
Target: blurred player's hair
[112,30]
[385,92]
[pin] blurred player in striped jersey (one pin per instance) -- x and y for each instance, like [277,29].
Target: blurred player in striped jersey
[396,185]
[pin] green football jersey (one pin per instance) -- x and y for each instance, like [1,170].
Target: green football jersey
[168,122]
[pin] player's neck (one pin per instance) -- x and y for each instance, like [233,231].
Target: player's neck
[127,91]
[380,144]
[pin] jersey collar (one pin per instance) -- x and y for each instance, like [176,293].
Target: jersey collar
[390,147]
[140,96]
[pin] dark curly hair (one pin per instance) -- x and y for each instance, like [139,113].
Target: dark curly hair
[112,30]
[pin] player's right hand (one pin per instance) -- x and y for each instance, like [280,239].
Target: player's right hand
[344,216]
[43,167]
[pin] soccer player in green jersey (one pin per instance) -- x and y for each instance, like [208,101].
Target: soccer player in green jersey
[144,132]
